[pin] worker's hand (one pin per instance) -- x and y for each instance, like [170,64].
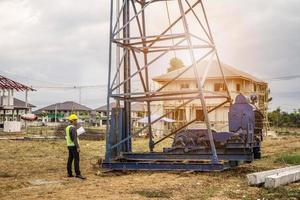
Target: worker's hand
[78,150]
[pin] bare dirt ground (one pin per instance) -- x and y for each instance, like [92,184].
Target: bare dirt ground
[37,170]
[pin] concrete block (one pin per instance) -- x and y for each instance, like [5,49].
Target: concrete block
[282,178]
[260,177]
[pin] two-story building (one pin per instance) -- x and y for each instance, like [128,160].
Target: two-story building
[237,81]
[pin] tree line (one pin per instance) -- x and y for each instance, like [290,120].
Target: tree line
[279,118]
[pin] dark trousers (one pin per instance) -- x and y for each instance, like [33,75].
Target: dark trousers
[73,155]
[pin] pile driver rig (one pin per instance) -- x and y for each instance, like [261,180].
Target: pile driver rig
[137,48]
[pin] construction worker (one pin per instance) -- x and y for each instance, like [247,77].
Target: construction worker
[73,147]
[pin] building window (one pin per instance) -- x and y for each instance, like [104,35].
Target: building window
[238,87]
[140,114]
[184,86]
[178,115]
[199,115]
[254,87]
[219,87]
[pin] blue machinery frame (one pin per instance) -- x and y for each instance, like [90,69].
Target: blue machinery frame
[195,158]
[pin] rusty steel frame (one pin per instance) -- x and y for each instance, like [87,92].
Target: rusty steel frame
[166,92]
[8,84]
[154,121]
[133,46]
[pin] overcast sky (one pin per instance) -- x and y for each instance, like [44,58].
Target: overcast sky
[65,42]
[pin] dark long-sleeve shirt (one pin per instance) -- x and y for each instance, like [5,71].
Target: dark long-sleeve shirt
[74,136]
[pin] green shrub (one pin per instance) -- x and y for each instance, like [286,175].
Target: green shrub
[289,158]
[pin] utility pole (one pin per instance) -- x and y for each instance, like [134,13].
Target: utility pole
[55,113]
[79,88]
[26,109]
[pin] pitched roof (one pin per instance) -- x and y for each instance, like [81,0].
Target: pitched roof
[19,103]
[138,107]
[104,107]
[134,107]
[8,84]
[65,106]
[22,104]
[213,73]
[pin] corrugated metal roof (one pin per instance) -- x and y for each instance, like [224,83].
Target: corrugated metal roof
[213,73]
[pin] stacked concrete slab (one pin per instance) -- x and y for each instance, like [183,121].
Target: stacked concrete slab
[276,177]
[283,178]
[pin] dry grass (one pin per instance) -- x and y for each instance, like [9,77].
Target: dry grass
[24,161]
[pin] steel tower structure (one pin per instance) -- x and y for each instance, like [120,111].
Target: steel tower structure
[143,34]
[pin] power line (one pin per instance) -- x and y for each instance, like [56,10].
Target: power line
[97,86]
[284,78]
[70,87]
[30,79]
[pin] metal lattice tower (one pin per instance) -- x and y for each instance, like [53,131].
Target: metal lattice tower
[144,34]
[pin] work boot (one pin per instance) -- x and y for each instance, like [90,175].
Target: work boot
[70,175]
[80,176]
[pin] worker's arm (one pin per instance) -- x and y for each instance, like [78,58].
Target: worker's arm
[74,137]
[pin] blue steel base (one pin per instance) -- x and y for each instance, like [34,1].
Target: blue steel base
[164,166]
[198,157]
